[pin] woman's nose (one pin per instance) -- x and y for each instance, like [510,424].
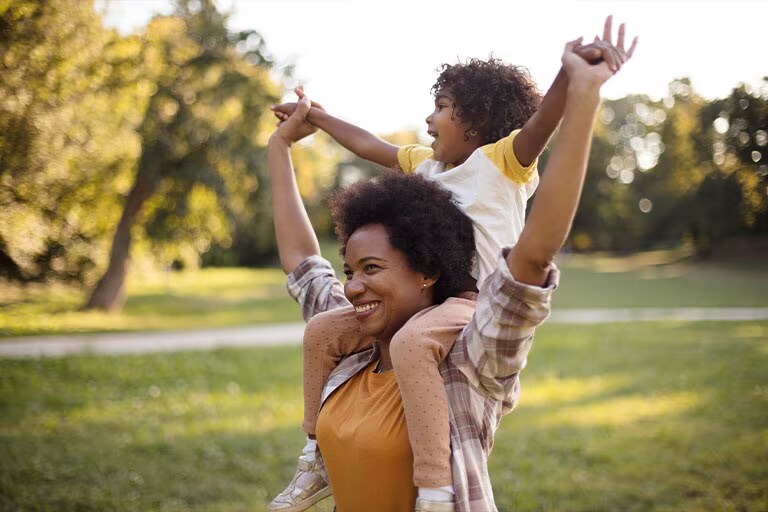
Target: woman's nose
[354,287]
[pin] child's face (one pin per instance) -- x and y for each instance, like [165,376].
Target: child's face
[453,143]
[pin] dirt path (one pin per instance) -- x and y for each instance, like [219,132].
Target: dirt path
[284,334]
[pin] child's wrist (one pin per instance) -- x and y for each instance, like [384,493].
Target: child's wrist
[314,116]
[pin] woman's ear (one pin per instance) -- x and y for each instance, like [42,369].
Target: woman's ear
[427,282]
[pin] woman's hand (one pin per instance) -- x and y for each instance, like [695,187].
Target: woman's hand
[294,127]
[284,110]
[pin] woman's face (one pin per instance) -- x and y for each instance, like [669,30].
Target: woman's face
[380,284]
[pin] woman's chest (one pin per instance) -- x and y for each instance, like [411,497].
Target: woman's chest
[362,435]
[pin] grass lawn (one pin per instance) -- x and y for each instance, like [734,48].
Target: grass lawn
[659,279]
[221,297]
[645,417]
[217,297]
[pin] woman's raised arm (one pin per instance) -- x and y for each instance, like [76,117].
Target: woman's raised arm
[296,239]
[558,196]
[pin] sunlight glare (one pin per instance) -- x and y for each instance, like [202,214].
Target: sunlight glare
[624,410]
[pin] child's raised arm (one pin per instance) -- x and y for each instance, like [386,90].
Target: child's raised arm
[360,142]
[555,205]
[535,134]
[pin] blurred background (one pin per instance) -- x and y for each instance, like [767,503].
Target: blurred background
[139,126]
[134,197]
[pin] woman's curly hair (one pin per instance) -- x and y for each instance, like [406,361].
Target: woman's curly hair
[422,220]
[495,97]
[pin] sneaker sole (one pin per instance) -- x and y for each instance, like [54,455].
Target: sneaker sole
[304,505]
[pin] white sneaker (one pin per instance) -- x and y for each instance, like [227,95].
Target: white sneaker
[308,486]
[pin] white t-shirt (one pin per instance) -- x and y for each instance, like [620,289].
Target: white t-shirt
[491,187]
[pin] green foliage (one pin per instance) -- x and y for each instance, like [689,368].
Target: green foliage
[68,110]
[170,124]
[661,173]
[203,133]
[88,116]
[652,417]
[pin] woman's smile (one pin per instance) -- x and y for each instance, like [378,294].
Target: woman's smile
[365,309]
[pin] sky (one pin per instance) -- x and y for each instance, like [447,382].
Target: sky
[373,63]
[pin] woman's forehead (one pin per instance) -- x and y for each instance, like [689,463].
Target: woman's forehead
[369,241]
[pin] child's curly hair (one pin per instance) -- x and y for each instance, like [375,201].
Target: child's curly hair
[499,97]
[422,221]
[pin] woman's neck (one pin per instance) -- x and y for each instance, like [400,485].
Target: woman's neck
[385,362]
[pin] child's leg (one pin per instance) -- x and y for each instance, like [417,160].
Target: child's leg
[328,337]
[416,350]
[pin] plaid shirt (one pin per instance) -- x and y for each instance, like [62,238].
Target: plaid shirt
[481,372]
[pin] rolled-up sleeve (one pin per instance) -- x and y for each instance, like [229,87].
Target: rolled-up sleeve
[314,286]
[497,339]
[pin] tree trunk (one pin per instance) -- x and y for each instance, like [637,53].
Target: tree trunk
[8,268]
[109,293]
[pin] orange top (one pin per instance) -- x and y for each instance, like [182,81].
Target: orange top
[362,435]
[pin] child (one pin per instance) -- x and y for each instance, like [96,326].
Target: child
[488,130]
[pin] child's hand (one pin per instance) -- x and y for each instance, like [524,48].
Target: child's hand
[285,110]
[603,50]
[293,127]
[577,58]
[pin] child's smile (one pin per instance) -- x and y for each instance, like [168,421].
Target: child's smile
[453,140]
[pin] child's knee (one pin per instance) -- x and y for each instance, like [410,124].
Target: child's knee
[319,332]
[411,344]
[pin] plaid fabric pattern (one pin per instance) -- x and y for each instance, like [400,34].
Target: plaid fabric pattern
[481,372]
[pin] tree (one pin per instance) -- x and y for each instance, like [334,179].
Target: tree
[625,150]
[201,139]
[67,141]
[733,199]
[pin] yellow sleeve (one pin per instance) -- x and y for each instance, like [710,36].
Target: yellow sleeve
[502,154]
[411,156]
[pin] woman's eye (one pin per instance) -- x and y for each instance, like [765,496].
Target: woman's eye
[348,274]
[370,267]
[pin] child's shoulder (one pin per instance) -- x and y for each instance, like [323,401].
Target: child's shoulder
[502,154]
[411,156]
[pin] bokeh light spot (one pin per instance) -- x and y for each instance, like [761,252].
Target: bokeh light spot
[607,115]
[721,125]
[743,138]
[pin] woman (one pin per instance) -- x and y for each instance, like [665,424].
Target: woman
[361,426]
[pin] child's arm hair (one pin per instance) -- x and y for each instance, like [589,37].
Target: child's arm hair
[558,196]
[537,131]
[360,142]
